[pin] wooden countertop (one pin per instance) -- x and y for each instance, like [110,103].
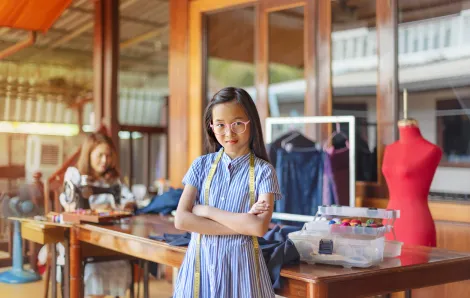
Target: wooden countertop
[416,267]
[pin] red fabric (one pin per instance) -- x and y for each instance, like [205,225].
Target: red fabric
[35,15]
[409,166]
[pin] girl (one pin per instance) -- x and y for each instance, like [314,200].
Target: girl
[98,160]
[223,259]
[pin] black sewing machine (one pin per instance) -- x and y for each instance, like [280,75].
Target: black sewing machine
[78,190]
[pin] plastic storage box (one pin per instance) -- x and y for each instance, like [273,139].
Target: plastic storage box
[363,245]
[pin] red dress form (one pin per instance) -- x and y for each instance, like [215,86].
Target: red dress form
[409,166]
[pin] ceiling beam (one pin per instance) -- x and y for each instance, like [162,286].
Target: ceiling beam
[123,18]
[85,27]
[143,37]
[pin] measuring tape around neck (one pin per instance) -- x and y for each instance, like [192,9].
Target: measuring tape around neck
[197,271]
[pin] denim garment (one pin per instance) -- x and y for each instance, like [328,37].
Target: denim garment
[300,176]
[164,203]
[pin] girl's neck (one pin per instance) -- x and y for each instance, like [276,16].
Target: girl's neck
[409,134]
[235,154]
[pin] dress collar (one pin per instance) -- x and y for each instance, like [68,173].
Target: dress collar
[236,161]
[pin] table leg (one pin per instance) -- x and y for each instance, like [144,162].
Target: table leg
[33,256]
[408,293]
[75,265]
[66,274]
[319,290]
[175,276]
[54,270]
[146,279]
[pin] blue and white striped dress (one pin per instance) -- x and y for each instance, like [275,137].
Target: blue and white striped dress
[227,262]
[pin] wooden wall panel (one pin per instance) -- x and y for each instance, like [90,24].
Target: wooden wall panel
[178,103]
[387,86]
[453,236]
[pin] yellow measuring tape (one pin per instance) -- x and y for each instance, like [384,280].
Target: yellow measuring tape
[197,273]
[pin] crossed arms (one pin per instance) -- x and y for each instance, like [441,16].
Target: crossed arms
[209,220]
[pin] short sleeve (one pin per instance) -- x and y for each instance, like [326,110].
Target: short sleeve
[193,177]
[269,183]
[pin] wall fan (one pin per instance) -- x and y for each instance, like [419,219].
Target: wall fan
[20,206]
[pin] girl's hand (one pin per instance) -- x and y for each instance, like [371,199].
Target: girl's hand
[259,207]
[201,210]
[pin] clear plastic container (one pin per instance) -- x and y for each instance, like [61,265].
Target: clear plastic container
[347,246]
[346,230]
[392,248]
[348,252]
[358,212]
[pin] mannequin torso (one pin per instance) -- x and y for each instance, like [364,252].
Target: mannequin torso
[409,166]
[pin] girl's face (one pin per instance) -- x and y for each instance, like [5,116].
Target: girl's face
[100,158]
[227,117]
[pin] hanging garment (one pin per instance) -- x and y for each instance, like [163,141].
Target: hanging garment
[306,182]
[299,141]
[339,159]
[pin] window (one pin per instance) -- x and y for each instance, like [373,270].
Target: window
[453,131]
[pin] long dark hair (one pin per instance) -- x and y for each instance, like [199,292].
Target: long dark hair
[239,95]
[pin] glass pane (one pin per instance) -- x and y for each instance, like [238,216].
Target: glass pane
[286,62]
[434,68]
[354,79]
[230,48]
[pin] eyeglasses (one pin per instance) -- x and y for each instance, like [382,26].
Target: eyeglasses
[237,127]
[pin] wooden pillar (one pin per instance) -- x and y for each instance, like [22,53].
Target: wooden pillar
[178,101]
[310,58]
[262,63]
[98,58]
[106,66]
[387,87]
[324,62]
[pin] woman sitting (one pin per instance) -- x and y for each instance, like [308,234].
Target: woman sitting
[98,160]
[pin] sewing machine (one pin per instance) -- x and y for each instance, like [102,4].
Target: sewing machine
[78,190]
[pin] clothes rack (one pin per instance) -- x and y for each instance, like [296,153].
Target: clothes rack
[351,120]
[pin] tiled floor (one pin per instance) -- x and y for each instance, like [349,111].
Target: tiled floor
[158,289]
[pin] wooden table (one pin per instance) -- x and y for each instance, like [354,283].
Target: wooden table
[416,267]
[49,233]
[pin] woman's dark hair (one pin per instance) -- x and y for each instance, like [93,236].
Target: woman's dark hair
[239,95]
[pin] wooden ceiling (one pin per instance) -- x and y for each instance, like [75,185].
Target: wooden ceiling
[143,35]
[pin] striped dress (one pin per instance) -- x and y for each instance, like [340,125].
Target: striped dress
[227,262]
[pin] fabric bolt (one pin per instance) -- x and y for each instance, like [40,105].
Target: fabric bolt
[227,262]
